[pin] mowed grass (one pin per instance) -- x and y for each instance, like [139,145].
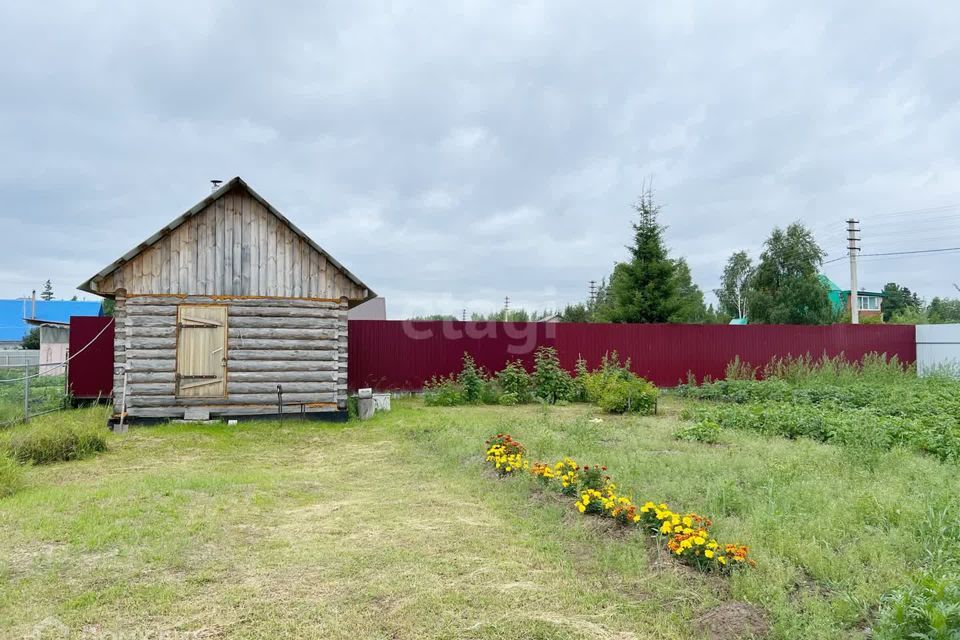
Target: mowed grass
[392,528]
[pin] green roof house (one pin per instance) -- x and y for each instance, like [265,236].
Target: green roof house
[870,302]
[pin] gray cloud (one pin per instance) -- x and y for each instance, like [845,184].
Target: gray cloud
[452,154]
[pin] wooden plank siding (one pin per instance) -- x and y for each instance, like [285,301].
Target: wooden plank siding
[234,246]
[297,343]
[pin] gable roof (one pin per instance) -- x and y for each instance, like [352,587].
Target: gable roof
[235,182]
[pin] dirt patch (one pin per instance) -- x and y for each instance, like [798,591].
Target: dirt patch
[598,526]
[806,585]
[609,528]
[546,497]
[732,621]
[660,560]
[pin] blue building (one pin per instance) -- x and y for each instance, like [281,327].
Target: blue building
[14,313]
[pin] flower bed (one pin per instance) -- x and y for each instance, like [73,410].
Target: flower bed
[687,536]
[506,454]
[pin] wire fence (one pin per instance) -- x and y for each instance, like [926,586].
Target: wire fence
[31,390]
[18,357]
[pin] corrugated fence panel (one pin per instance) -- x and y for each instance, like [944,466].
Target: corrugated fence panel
[401,354]
[389,354]
[91,370]
[665,353]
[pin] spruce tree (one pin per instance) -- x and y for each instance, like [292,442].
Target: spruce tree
[644,289]
[47,293]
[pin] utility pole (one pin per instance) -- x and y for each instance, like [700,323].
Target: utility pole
[853,247]
[464,315]
[506,306]
[593,292]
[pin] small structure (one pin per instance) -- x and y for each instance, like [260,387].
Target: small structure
[229,311]
[870,302]
[54,346]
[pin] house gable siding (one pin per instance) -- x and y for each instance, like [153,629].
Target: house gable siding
[234,246]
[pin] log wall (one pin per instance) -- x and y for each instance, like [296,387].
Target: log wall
[300,344]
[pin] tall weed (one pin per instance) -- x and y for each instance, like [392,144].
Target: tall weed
[11,475]
[55,441]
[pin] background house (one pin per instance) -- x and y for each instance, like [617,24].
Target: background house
[373,309]
[870,302]
[14,316]
[228,311]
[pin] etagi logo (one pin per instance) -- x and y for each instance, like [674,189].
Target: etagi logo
[522,337]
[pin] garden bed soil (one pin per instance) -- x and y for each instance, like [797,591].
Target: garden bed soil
[732,621]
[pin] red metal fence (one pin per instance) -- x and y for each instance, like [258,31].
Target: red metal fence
[393,354]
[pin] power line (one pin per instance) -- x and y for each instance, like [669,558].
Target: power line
[913,212]
[899,253]
[904,253]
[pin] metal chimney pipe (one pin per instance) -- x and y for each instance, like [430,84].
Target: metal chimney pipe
[33,307]
[215,184]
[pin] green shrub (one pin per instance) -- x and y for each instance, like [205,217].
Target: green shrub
[443,391]
[610,371]
[508,399]
[472,380]
[515,380]
[11,475]
[630,395]
[705,431]
[929,609]
[551,382]
[55,441]
[490,392]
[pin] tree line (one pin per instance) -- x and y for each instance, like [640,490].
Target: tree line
[783,287]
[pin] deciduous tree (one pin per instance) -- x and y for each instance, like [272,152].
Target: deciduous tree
[735,284]
[785,288]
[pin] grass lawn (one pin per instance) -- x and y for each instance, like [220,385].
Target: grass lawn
[392,528]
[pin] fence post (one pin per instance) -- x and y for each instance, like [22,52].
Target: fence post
[26,390]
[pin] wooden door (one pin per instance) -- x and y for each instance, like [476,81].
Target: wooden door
[201,351]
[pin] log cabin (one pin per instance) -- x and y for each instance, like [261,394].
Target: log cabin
[230,311]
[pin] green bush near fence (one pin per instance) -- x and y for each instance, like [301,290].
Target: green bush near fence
[612,386]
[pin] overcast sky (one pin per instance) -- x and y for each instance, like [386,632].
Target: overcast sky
[451,154]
